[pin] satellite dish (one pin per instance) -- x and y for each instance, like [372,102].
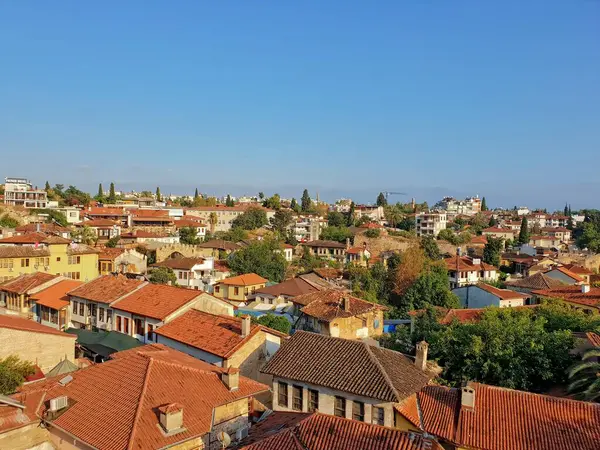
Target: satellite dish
[224,439]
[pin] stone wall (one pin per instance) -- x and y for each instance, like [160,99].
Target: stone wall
[188,251]
[45,350]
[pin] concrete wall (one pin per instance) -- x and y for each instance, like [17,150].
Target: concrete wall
[327,401]
[45,350]
[212,305]
[253,356]
[25,438]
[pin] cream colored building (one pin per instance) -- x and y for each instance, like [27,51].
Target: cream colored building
[431,223]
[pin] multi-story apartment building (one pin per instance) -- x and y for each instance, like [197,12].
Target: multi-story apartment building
[224,215]
[453,207]
[464,270]
[20,192]
[430,223]
[308,228]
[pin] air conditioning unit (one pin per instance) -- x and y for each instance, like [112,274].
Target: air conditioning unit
[58,403]
[241,433]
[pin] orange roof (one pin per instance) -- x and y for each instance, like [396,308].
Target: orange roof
[145,213]
[18,323]
[35,238]
[188,223]
[247,279]
[113,406]
[505,419]
[465,263]
[216,334]
[573,294]
[107,288]
[498,230]
[567,272]
[502,294]
[98,223]
[24,283]
[355,250]
[13,417]
[479,240]
[157,301]
[329,305]
[55,296]
[579,270]
[109,254]
[105,211]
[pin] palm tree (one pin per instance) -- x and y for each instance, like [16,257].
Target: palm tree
[212,220]
[584,377]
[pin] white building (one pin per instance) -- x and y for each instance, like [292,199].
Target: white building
[523,211]
[308,228]
[192,273]
[463,271]
[453,207]
[20,192]
[431,223]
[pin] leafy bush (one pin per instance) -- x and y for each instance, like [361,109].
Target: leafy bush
[373,233]
[278,323]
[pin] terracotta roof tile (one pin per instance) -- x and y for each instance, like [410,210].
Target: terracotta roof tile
[98,223]
[180,263]
[23,251]
[328,273]
[114,404]
[55,296]
[537,281]
[502,294]
[348,366]
[573,294]
[109,254]
[330,305]
[323,432]
[24,283]
[466,264]
[12,417]
[216,334]
[325,244]
[247,279]
[219,244]
[568,273]
[107,288]
[157,301]
[105,211]
[291,288]
[579,270]
[21,324]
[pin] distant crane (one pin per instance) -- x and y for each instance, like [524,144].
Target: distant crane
[388,193]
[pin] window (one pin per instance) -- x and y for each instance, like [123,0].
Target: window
[82,309]
[58,259]
[358,411]
[118,323]
[217,289]
[25,262]
[313,400]
[93,310]
[125,325]
[150,335]
[236,290]
[101,314]
[340,406]
[108,315]
[297,394]
[74,307]
[282,394]
[378,415]
[139,326]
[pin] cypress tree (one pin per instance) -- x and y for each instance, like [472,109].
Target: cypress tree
[305,201]
[158,197]
[351,214]
[381,200]
[566,211]
[196,194]
[524,233]
[112,197]
[100,192]
[47,188]
[483,204]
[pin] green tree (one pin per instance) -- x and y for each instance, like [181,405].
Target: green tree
[8,222]
[162,275]
[373,233]
[407,224]
[273,202]
[261,257]
[493,222]
[261,196]
[381,200]
[431,288]
[484,204]
[281,220]
[85,235]
[113,242]
[430,247]
[112,196]
[308,262]
[524,233]
[336,219]
[274,322]
[158,196]
[566,210]
[189,236]
[570,223]
[492,251]
[294,206]
[196,194]
[100,195]
[351,213]
[53,216]
[584,381]
[306,202]
[339,234]
[229,201]
[251,219]
[13,372]
[234,234]
[47,187]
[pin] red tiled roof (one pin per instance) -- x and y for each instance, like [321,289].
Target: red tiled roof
[573,294]
[594,338]
[355,250]
[479,240]
[21,324]
[107,288]
[98,223]
[44,227]
[291,288]
[336,363]
[23,251]
[329,305]
[296,431]
[107,211]
[579,270]
[567,272]
[502,294]
[328,272]
[35,376]
[147,213]
[157,301]
[324,244]
[180,263]
[35,238]
[466,264]
[113,406]
[143,234]
[216,334]
[537,281]
[12,417]
[247,279]
[188,223]
[109,254]
[24,283]
[55,296]
[506,419]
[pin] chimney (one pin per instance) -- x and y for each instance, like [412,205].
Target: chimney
[246,324]
[171,417]
[345,303]
[421,356]
[467,397]
[585,288]
[37,227]
[231,378]
[347,243]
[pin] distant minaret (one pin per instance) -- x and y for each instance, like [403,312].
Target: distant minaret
[317,197]
[413,203]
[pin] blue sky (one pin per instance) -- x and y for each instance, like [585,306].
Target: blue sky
[432,97]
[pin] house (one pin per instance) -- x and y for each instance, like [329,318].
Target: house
[218,248]
[327,249]
[308,228]
[34,342]
[503,233]
[482,295]
[151,218]
[561,233]
[544,241]
[557,221]
[239,289]
[358,255]
[483,417]
[223,216]
[468,207]
[339,314]
[192,273]
[15,294]
[50,305]
[289,430]
[532,283]
[430,223]
[345,378]
[20,192]
[197,225]
[122,260]
[464,270]
[583,297]
[224,341]
[135,238]
[288,252]
[40,252]
[477,244]
[581,271]
[538,218]
[564,275]
[117,214]
[47,228]
[104,229]
[148,397]
[281,293]
[72,213]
